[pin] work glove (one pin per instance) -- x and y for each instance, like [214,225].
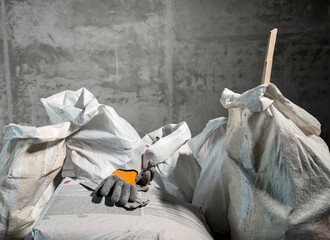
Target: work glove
[147,173]
[120,186]
[148,170]
[146,176]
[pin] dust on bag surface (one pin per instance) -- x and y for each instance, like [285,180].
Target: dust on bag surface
[105,141]
[29,162]
[279,182]
[70,214]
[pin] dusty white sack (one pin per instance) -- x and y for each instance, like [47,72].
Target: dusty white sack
[29,161]
[279,185]
[177,171]
[71,214]
[105,141]
[211,192]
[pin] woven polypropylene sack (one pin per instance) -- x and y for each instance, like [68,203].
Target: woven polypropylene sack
[105,141]
[279,184]
[177,170]
[29,162]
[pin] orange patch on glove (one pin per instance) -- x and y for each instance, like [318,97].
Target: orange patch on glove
[127,176]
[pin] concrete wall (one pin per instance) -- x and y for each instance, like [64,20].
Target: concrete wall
[160,61]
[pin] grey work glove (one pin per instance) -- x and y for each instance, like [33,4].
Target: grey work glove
[146,176]
[119,191]
[148,170]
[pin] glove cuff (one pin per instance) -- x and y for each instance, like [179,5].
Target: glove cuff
[127,176]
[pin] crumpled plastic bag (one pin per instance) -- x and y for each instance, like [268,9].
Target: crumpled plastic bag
[105,141]
[177,171]
[279,182]
[29,162]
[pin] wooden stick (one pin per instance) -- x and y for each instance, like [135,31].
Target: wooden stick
[269,57]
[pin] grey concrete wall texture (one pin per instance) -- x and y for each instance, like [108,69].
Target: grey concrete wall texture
[160,61]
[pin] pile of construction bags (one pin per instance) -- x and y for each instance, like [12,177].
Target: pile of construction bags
[263,173]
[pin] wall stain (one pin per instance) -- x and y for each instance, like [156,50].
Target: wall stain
[158,61]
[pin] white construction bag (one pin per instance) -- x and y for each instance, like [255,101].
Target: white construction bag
[211,192]
[177,171]
[279,185]
[29,162]
[70,214]
[105,141]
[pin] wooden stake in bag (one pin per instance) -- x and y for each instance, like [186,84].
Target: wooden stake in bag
[269,57]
